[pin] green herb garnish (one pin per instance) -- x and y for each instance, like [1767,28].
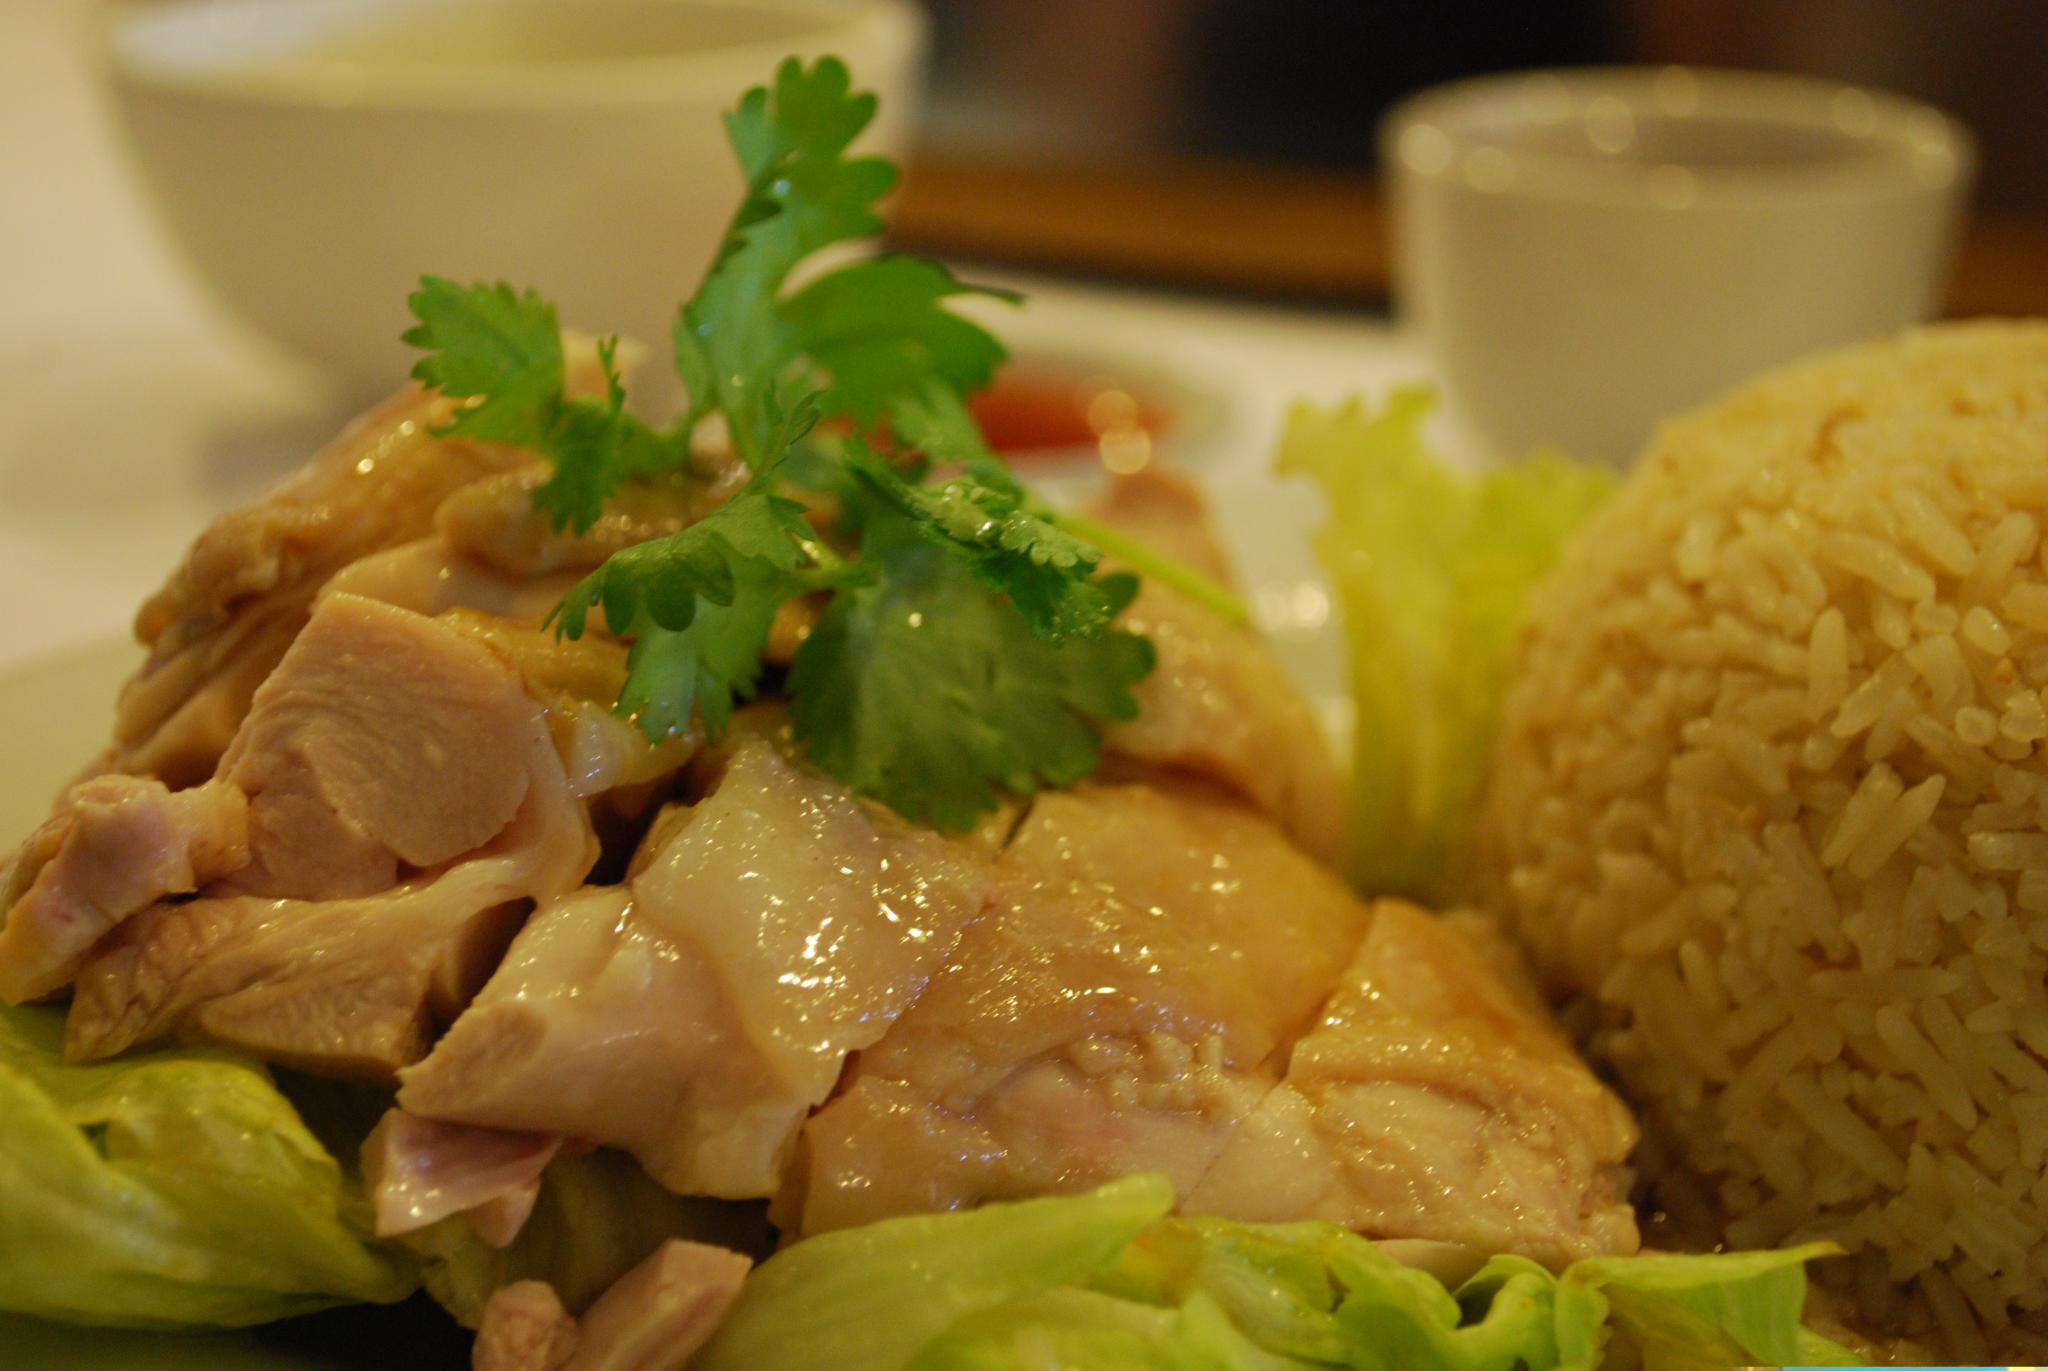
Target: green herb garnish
[965,644]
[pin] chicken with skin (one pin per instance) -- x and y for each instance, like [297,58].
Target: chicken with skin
[365,818]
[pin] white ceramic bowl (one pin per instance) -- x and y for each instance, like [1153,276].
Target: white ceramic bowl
[312,158]
[1585,252]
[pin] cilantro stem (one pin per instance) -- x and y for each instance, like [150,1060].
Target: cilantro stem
[1147,560]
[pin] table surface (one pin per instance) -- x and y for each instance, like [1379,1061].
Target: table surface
[1300,233]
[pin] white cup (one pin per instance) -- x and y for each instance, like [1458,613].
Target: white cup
[313,159]
[1587,251]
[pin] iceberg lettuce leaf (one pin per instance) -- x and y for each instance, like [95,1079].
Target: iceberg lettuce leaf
[1272,1280]
[1394,1318]
[1102,1280]
[1084,1330]
[872,1298]
[169,1189]
[1678,1312]
[1431,568]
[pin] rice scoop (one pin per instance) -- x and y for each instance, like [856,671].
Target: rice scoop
[1772,798]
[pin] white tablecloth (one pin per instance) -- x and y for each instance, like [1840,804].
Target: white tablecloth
[131,408]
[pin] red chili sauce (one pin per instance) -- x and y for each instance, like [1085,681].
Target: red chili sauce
[1032,412]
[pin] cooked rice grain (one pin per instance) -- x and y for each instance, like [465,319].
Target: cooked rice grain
[1772,797]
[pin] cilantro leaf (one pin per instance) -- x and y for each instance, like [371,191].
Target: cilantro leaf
[502,351]
[872,330]
[878,330]
[709,664]
[1044,570]
[698,605]
[926,692]
[803,194]
[1015,545]
[967,642]
[492,344]
[587,443]
[659,583]
[807,118]
[935,422]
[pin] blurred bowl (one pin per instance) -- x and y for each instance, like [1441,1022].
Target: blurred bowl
[312,159]
[1584,252]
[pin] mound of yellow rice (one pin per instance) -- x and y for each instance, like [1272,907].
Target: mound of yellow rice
[1772,802]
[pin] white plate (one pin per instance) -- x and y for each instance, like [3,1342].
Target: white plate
[58,711]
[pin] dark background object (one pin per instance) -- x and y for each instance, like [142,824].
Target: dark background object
[1301,82]
[1229,143]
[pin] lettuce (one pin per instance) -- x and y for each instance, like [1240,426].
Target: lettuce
[168,1189]
[1102,1280]
[1082,1330]
[1431,568]
[1675,1312]
[872,1298]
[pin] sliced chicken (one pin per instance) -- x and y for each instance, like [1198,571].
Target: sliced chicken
[576,680]
[1120,1008]
[177,714]
[494,521]
[524,1328]
[116,845]
[577,683]
[428,576]
[656,1316]
[696,1014]
[224,617]
[1219,704]
[1435,1100]
[384,741]
[348,987]
[384,745]
[419,1171]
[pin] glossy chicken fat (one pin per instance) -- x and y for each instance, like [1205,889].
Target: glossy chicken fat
[695,1015]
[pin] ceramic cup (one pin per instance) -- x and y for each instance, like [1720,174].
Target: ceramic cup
[1586,251]
[313,159]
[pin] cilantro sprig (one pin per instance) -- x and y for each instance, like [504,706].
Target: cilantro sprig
[965,644]
[922,688]
[501,350]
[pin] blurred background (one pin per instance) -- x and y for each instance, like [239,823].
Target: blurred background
[1090,135]
[1185,190]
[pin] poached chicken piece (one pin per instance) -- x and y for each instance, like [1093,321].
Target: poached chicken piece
[224,618]
[115,845]
[418,1172]
[348,987]
[1120,1008]
[653,1318]
[382,878]
[524,1328]
[1435,1099]
[695,1015]
[1219,703]
[227,614]
[352,824]
[383,740]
